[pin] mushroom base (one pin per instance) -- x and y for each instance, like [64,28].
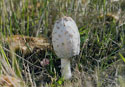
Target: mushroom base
[65,68]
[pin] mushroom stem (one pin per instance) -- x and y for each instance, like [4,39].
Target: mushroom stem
[65,68]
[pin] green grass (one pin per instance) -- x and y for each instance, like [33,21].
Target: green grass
[102,42]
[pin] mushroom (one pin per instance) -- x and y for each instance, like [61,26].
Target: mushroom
[66,43]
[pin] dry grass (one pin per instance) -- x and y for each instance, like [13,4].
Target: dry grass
[101,24]
[27,44]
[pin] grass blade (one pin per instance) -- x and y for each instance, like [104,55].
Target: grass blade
[122,57]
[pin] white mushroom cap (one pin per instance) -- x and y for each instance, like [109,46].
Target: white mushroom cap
[66,38]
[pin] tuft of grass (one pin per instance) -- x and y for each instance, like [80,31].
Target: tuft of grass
[102,32]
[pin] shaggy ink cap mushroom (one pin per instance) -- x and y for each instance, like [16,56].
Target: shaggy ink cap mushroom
[66,43]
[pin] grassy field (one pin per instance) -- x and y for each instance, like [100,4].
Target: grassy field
[101,62]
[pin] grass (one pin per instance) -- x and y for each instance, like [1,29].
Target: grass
[101,62]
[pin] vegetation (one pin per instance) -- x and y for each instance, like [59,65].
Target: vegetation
[101,62]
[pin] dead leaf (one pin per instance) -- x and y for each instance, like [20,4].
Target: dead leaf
[27,44]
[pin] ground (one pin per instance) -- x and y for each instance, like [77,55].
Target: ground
[101,62]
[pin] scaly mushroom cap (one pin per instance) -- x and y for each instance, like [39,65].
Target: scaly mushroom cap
[66,38]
